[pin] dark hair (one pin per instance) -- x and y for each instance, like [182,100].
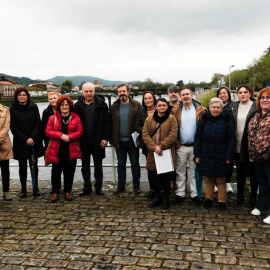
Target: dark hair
[264,90]
[148,92]
[162,100]
[18,91]
[173,88]
[60,101]
[122,84]
[250,90]
[227,90]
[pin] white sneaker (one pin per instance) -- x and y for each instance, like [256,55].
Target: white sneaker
[229,188]
[267,220]
[215,188]
[257,212]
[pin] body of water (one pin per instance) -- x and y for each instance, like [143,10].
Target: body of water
[45,172]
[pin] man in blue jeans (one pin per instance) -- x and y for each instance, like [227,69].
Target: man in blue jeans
[123,114]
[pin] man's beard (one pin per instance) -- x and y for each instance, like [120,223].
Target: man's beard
[123,97]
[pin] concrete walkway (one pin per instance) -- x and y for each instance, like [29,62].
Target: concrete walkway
[113,232]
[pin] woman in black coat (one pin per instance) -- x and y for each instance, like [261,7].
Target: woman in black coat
[149,102]
[224,94]
[214,146]
[25,125]
[49,111]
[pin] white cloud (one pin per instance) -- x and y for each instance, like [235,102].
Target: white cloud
[131,40]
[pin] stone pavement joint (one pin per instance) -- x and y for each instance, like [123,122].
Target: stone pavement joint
[122,233]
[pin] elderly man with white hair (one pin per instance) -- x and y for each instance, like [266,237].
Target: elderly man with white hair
[94,115]
[214,147]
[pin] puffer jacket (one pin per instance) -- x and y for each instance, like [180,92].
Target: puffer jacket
[168,136]
[214,143]
[53,131]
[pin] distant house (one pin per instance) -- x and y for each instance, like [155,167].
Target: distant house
[98,83]
[47,86]
[7,87]
[75,88]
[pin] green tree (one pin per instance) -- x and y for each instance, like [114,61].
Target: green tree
[215,79]
[180,84]
[240,76]
[66,85]
[260,70]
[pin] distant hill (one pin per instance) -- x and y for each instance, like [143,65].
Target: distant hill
[25,81]
[76,80]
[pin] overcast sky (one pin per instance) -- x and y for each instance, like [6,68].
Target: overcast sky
[165,40]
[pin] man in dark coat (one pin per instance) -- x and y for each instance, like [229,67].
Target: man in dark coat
[123,114]
[94,115]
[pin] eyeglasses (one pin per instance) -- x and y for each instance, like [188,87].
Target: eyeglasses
[216,107]
[64,105]
[265,97]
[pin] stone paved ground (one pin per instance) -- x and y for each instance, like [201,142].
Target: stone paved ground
[114,233]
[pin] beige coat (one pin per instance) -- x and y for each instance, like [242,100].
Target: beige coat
[5,143]
[168,136]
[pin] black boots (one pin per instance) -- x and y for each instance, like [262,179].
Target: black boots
[165,201]
[161,199]
[23,191]
[157,201]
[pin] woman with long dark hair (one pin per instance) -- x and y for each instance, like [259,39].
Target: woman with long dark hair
[148,107]
[241,111]
[224,94]
[27,138]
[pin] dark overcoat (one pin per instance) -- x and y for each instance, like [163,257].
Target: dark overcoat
[102,124]
[214,143]
[24,124]
[44,121]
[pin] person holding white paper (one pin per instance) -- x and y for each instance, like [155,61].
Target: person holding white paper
[160,133]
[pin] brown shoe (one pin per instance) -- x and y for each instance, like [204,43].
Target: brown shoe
[68,196]
[136,190]
[120,189]
[54,198]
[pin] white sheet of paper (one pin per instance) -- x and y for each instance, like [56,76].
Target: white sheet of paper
[135,135]
[164,163]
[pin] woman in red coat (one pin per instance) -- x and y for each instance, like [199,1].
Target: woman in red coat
[64,128]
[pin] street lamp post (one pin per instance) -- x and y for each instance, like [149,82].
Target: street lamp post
[230,77]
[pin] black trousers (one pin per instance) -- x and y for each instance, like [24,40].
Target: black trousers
[5,174]
[23,172]
[241,176]
[160,181]
[87,151]
[68,168]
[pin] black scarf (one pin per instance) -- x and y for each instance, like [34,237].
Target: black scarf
[162,118]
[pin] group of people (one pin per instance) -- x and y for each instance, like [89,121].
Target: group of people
[204,141]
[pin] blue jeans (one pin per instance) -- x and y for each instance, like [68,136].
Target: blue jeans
[128,148]
[262,171]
